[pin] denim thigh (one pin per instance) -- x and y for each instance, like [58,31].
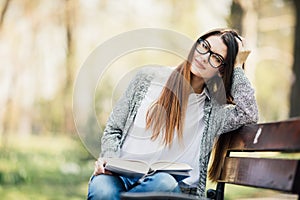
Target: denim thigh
[158,182]
[105,187]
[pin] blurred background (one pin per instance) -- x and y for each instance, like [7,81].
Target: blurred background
[44,43]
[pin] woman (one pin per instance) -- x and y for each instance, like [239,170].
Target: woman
[176,115]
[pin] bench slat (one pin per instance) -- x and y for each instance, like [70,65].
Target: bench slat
[277,174]
[270,173]
[279,136]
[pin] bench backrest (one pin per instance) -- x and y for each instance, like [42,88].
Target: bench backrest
[282,174]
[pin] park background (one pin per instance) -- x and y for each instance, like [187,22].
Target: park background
[43,45]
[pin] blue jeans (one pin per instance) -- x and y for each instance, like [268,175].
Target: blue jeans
[110,186]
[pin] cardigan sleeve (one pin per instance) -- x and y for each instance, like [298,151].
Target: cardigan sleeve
[124,111]
[245,110]
[112,135]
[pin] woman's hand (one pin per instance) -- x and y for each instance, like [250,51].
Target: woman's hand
[243,53]
[99,167]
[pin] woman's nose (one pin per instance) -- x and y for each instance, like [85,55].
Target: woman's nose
[205,57]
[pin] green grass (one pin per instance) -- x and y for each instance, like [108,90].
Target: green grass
[44,167]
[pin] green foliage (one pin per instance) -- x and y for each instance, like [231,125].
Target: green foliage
[42,167]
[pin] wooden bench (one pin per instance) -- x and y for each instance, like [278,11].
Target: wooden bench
[271,173]
[280,174]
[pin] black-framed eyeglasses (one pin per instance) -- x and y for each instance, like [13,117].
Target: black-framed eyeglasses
[214,59]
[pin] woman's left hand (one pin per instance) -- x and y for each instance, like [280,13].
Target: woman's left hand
[243,53]
[99,167]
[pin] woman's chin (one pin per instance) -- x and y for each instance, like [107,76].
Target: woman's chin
[203,73]
[196,71]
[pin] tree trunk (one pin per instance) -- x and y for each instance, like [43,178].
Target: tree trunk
[8,105]
[295,89]
[69,126]
[3,12]
[244,18]
[236,14]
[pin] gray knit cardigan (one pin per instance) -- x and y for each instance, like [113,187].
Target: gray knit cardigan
[218,119]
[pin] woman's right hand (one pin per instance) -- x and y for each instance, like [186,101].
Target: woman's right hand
[243,53]
[99,167]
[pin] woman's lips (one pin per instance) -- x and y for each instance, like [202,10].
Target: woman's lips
[199,64]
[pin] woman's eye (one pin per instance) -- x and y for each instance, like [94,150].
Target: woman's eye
[204,46]
[217,59]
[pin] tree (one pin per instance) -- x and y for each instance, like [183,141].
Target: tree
[3,12]
[235,18]
[244,18]
[295,90]
[8,105]
[70,66]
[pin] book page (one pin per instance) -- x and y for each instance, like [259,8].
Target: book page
[120,165]
[138,168]
[170,166]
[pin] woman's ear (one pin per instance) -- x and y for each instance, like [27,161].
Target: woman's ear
[219,74]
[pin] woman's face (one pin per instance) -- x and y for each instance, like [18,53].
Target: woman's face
[201,66]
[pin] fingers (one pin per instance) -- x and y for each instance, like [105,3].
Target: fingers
[99,167]
[243,53]
[239,40]
[243,45]
[107,172]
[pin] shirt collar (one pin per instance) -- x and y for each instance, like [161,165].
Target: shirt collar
[206,92]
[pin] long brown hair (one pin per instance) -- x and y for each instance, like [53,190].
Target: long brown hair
[166,115]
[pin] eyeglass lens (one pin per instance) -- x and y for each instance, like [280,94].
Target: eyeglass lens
[214,59]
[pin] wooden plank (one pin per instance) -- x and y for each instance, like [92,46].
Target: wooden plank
[277,136]
[276,174]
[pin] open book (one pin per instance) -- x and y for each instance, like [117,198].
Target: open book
[138,168]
